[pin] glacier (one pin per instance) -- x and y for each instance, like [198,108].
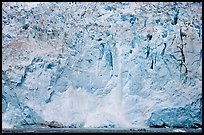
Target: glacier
[102,64]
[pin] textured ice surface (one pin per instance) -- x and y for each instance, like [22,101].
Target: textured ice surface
[187,116]
[102,65]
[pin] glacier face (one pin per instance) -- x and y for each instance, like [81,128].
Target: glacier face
[102,65]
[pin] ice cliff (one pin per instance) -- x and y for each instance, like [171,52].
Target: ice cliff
[103,65]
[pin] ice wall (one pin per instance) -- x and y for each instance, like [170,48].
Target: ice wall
[102,64]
